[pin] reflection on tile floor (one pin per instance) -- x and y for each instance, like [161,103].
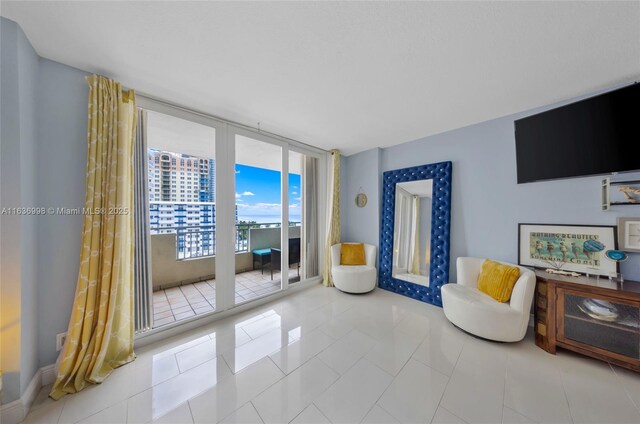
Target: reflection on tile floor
[323,356]
[181,302]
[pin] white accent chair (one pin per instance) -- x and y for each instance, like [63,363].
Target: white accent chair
[480,314]
[354,278]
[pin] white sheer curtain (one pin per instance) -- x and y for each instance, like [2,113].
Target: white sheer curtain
[142,245]
[402,241]
[415,234]
[310,216]
[333,214]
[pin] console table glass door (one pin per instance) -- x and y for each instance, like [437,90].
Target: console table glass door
[594,322]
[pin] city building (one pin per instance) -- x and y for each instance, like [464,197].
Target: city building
[182,201]
[178,177]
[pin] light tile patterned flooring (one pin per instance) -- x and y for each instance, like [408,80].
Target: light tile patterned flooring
[323,356]
[182,302]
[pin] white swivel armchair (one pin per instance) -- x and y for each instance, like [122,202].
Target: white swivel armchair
[354,278]
[480,314]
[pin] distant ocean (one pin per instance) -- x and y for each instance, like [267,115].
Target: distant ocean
[263,219]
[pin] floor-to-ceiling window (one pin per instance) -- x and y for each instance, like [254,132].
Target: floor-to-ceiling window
[182,216]
[259,220]
[206,176]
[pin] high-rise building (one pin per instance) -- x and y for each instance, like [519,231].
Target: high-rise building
[176,177]
[166,217]
[212,179]
[182,200]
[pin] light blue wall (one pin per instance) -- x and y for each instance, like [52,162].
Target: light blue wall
[10,225]
[18,151]
[361,172]
[28,64]
[43,154]
[61,164]
[487,204]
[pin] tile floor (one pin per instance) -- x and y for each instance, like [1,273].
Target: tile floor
[181,302]
[322,356]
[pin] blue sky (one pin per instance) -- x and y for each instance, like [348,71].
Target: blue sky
[258,194]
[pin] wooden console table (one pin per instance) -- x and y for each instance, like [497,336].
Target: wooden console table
[567,316]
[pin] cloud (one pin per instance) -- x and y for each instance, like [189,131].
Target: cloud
[294,192]
[246,193]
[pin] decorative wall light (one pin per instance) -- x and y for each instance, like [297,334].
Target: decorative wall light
[361,199]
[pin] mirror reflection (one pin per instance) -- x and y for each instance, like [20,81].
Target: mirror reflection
[412,232]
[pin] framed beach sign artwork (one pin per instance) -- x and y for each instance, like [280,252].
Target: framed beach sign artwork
[576,248]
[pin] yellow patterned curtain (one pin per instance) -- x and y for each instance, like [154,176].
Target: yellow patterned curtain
[333,218]
[100,332]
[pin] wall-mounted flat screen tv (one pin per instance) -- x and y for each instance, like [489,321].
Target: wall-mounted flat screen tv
[598,135]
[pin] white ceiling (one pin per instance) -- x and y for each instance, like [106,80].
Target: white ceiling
[348,75]
[165,132]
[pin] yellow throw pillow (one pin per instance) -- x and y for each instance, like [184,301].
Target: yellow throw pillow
[352,254]
[497,280]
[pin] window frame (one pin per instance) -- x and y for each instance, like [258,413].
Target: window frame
[225,132]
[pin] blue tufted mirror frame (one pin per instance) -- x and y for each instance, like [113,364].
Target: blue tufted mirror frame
[440,173]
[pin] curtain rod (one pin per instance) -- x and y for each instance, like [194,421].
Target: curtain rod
[226,121]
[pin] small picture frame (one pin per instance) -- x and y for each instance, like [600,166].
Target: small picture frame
[624,192]
[629,234]
[577,248]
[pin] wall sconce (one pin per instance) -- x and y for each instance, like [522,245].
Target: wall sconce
[361,199]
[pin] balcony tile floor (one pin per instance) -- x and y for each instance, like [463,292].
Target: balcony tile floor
[182,302]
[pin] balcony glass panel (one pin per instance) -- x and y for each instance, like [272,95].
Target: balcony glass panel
[182,230]
[258,174]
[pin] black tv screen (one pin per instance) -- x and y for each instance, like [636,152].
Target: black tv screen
[598,135]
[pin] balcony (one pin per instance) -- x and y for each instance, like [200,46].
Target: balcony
[189,239]
[184,268]
[189,300]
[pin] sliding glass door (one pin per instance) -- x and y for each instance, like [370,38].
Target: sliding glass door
[232,214]
[259,218]
[181,159]
[276,210]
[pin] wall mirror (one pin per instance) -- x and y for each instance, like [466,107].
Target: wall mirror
[412,232]
[414,236]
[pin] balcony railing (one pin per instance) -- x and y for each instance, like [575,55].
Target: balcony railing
[199,241]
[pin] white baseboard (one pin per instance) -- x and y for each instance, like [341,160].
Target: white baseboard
[31,392]
[48,374]
[16,411]
[12,413]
